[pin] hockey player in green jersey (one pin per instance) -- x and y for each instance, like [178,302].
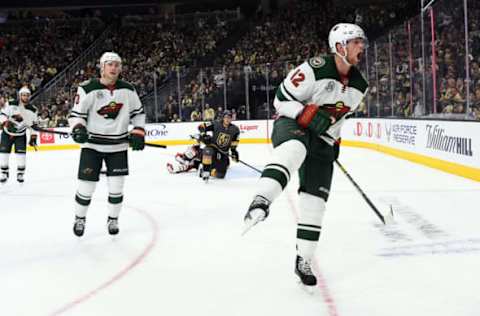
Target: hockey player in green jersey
[312,103]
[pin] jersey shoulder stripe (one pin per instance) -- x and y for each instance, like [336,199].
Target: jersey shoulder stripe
[324,67]
[31,107]
[120,84]
[357,80]
[91,85]
[13,102]
[95,84]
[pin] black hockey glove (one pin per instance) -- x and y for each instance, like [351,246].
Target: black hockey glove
[80,134]
[33,140]
[17,118]
[235,156]
[206,139]
[137,138]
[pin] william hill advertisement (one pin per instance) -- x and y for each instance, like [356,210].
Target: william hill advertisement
[451,141]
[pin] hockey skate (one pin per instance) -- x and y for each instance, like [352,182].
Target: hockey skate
[256,213]
[304,272]
[112,225]
[79,226]
[205,175]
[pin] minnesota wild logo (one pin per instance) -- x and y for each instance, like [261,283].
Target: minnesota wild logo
[337,110]
[111,110]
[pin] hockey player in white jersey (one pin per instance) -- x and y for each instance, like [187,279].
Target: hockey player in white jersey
[102,112]
[312,103]
[15,118]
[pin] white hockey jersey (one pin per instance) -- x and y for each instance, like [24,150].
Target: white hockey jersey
[317,81]
[107,113]
[27,112]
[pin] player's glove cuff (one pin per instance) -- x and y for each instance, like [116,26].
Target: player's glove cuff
[235,154]
[315,119]
[137,138]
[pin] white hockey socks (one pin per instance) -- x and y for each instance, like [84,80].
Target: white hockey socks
[286,159]
[83,197]
[21,162]
[4,166]
[312,209]
[115,195]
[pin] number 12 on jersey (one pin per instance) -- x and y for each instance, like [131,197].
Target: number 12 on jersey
[297,77]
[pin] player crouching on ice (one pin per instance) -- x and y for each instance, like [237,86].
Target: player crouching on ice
[212,160]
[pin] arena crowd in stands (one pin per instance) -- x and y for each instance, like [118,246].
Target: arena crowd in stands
[34,50]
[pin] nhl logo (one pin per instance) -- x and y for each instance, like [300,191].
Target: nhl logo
[330,86]
[99,94]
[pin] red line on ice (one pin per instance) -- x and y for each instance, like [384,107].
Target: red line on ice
[322,282]
[120,274]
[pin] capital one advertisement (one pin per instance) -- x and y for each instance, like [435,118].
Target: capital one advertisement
[453,141]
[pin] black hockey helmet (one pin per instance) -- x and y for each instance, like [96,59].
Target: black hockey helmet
[227,113]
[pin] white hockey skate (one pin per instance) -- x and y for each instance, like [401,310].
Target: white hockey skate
[257,212]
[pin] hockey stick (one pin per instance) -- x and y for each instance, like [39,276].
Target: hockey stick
[386,219]
[228,155]
[112,142]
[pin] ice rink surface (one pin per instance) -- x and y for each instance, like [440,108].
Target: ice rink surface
[180,252]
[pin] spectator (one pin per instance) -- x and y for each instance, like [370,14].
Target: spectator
[195,115]
[43,120]
[208,113]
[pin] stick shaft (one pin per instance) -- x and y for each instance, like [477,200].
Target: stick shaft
[365,197]
[114,141]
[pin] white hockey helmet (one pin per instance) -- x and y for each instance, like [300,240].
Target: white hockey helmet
[24,90]
[108,57]
[344,32]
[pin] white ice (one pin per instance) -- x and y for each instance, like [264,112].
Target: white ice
[179,251]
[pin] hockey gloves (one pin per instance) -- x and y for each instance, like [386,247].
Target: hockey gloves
[10,127]
[235,156]
[33,140]
[315,119]
[206,139]
[137,138]
[80,134]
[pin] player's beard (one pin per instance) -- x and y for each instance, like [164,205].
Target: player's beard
[24,99]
